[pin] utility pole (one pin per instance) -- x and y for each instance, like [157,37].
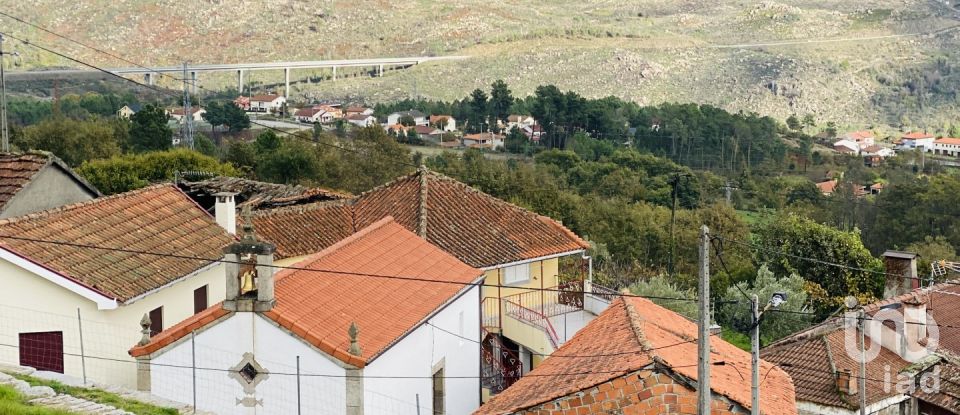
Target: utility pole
[703,325]
[755,355]
[187,126]
[862,381]
[726,191]
[5,146]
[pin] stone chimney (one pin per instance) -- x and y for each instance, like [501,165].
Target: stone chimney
[249,271]
[846,382]
[901,269]
[914,326]
[226,211]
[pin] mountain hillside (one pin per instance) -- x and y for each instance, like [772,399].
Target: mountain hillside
[775,58]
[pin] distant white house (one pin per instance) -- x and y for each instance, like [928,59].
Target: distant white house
[351,342]
[875,150]
[521,121]
[947,147]
[313,115]
[419,118]
[861,138]
[444,122]
[267,103]
[358,110]
[921,141]
[128,110]
[483,140]
[361,120]
[847,146]
[176,114]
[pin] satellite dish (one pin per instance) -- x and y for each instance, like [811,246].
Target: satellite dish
[851,302]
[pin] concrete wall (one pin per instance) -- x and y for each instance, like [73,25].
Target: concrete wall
[420,354]
[221,346]
[107,334]
[52,187]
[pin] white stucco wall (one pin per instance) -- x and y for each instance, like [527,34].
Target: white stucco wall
[418,355]
[221,346]
[41,306]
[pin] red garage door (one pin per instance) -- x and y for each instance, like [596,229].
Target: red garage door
[43,351]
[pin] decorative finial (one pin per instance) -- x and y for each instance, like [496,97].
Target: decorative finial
[145,329]
[353,331]
[248,233]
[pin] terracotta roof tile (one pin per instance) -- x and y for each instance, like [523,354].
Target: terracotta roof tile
[158,219]
[947,140]
[629,335]
[320,306]
[916,136]
[477,228]
[18,169]
[259,195]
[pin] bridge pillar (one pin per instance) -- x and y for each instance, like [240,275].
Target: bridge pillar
[380,70]
[334,73]
[240,82]
[148,77]
[193,82]
[286,81]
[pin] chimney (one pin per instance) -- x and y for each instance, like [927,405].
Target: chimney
[846,382]
[226,211]
[914,325]
[901,269]
[249,271]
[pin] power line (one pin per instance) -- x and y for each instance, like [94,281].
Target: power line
[359,274]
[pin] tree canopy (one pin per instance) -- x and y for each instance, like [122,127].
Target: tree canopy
[119,174]
[149,131]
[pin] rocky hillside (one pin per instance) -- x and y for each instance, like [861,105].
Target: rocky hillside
[859,62]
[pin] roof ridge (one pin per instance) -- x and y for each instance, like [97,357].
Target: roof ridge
[337,246]
[635,321]
[422,216]
[388,184]
[304,207]
[72,206]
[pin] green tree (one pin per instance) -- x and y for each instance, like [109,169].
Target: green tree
[407,121]
[132,171]
[831,129]
[267,142]
[773,325]
[370,159]
[205,146]
[932,249]
[809,121]
[515,142]
[479,109]
[149,129]
[71,140]
[786,239]
[293,162]
[501,99]
[228,114]
[793,123]
[242,155]
[340,128]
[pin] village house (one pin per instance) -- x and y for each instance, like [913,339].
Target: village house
[427,132]
[533,132]
[488,140]
[267,103]
[361,120]
[127,111]
[947,147]
[242,102]
[419,118]
[912,367]
[313,115]
[81,264]
[35,181]
[366,335]
[444,122]
[917,141]
[861,138]
[332,109]
[356,110]
[519,121]
[847,147]
[640,358]
[526,311]
[176,114]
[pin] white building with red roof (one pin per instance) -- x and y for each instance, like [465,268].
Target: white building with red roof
[917,140]
[377,323]
[267,103]
[947,147]
[313,115]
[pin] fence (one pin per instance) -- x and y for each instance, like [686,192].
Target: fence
[205,376]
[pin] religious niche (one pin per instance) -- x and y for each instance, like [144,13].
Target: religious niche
[248,373]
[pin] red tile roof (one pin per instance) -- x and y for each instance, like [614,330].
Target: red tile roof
[308,112]
[916,136]
[827,186]
[631,334]
[319,306]
[477,228]
[17,170]
[947,140]
[264,98]
[859,136]
[159,219]
[358,117]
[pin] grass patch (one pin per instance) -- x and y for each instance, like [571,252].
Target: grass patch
[11,402]
[98,396]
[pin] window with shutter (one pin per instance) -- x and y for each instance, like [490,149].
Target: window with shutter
[438,392]
[156,321]
[200,299]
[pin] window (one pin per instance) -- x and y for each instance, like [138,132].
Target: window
[516,274]
[156,321]
[42,351]
[200,299]
[438,392]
